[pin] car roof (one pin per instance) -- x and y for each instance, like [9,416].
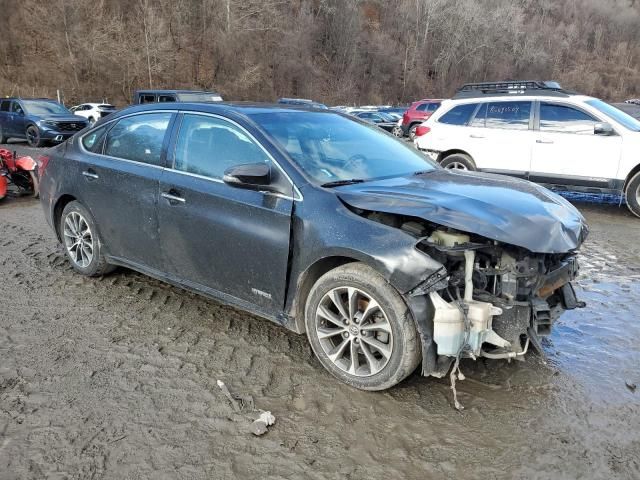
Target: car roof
[516,98]
[242,108]
[30,98]
[175,91]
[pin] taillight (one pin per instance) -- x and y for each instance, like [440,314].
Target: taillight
[422,130]
[42,161]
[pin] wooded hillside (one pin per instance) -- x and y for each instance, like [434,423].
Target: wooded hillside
[336,51]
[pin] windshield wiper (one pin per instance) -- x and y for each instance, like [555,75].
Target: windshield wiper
[338,183]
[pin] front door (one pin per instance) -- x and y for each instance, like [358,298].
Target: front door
[568,152]
[213,235]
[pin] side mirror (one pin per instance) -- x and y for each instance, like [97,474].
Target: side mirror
[252,176]
[603,129]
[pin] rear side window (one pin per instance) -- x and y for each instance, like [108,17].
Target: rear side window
[561,118]
[166,98]
[458,115]
[5,106]
[93,140]
[147,98]
[509,115]
[432,107]
[208,146]
[138,138]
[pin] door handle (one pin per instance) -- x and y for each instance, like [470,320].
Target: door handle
[543,141]
[476,136]
[90,174]
[172,196]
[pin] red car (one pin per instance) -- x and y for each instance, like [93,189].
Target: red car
[417,113]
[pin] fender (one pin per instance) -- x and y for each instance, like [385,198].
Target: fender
[27,164]
[3,186]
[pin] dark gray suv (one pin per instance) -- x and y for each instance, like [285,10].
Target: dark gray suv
[323,224]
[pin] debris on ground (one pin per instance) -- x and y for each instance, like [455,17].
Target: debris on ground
[245,406]
[631,386]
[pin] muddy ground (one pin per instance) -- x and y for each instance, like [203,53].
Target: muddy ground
[115,378]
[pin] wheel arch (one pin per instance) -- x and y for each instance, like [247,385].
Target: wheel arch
[453,151]
[634,171]
[58,208]
[307,280]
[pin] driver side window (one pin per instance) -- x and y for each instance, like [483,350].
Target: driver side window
[208,146]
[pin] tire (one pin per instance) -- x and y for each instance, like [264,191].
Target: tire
[397,131]
[33,137]
[92,121]
[389,326]
[74,219]
[3,139]
[35,183]
[458,161]
[412,131]
[632,194]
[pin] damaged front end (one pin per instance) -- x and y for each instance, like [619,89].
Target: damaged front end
[494,300]
[489,299]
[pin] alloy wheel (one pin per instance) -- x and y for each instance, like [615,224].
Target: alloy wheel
[397,131]
[456,166]
[78,239]
[33,136]
[354,331]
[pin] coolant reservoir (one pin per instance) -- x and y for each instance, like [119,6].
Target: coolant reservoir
[448,239]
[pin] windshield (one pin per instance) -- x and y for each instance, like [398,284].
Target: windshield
[332,148]
[35,107]
[199,97]
[618,115]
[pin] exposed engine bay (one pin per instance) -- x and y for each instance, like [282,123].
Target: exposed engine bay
[489,299]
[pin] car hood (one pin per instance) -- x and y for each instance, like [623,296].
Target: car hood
[64,117]
[505,209]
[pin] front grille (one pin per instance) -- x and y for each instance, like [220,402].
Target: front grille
[69,126]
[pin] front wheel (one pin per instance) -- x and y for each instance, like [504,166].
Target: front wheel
[360,329]
[458,161]
[632,194]
[82,242]
[33,137]
[397,131]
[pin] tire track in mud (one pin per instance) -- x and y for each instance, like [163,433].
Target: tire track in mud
[114,377]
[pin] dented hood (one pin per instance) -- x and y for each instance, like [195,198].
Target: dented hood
[505,209]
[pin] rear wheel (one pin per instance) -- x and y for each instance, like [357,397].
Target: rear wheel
[397,131]
[92,121]
[632,194]
[82,242]
[458,161]
[412,132]
[360,328]
[33,137]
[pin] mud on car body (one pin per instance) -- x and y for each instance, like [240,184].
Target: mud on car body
[323,224]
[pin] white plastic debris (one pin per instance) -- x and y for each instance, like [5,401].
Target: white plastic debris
[260,424]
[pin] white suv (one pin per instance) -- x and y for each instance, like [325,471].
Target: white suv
[93,111]
[540,132]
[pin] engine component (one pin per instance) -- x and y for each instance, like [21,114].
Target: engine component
[448,239]
[449,325]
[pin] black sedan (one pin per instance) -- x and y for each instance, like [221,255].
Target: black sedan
[320,223]
[379,119]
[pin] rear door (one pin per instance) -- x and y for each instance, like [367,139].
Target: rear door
[5,117]
[567,151]
[500,137]
[224,238]
[121,164]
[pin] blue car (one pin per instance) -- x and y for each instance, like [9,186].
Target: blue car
[38,121]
